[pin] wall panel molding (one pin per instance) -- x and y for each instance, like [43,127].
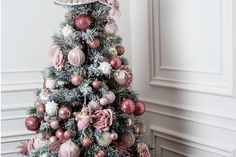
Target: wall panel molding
[199,80]
[188,141]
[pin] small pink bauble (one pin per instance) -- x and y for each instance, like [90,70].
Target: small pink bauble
[77,80]
[110,97]
[37,103]
[115,62]
[54,124]
[76,57]
[40,109]
[64,113]
[111,28]
[127,106]
[100,154]
[139,108]
[103,101]
[53,139]
[59,133]
[114,136]
[67,134]
[95,43]
[83,21]
[94,106]
[87,142]
[121,77]
[120,49]
[32,123]
[96,84]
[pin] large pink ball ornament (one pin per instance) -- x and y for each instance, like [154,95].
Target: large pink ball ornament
[110,97]
[32,123]
[69,149]
[127,106]
[116,62]
[83,21]
[139,108]
[64,113]
[76,57]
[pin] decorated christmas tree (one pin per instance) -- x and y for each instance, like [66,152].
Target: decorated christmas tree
[86,107]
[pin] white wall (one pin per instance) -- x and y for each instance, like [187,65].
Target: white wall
[184,69]
[27,27]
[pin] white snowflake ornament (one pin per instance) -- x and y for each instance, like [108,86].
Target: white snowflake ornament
[50,83]
[105,68]
[67,31]
[51,108]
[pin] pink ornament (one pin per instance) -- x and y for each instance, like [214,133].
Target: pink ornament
[83,124]
[95,43]
[40,109]
[53,139]
[96,84]
[77,80]
[54,124]
[103,101]
[76,57]
[121,77]
[120,50]
[60,133]
[100,154]
[87,142]
[102,119]
[64,113]
[83,21]
[111,28]
[127,106]
[67,134]
[115,62]
[94,106]
[142,150]
[114,136]
[69,149]
[32,123]
[139,108]
[110,97]
[57,60]
[37,103]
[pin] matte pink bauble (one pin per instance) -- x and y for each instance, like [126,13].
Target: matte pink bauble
[67,134]
[77,80]
[69,149]
[54,124]
[76,57]
[127,106]
[139,108]
[103,101]
[115,62]
[111,28]
[59,133]
[83,21]
[40,109]
[114,136]
[64,113]
[120,49]
[87,142]
[96,84]
[110,97]
[100,154]
[32,123]
[53,139]
[95,43]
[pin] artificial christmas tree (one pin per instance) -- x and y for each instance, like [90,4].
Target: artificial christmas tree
[86,107]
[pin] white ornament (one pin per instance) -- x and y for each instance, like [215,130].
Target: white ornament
[50,83]
[67,31]
[110,97]
[113,51]
[51,108]
[105,68]
[44,95]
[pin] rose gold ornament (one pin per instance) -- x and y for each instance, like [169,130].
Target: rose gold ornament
[60,133]
[100,154]
[77,80]
[127,106]
[110,97]
[32,123]
[121,77]
[115,62]
[54,124]
[120,49]
[114,136]
[40,109]
[87,142]
[95,43]
[139,108]
[67,134]
[128,139]
[76,57]
[111,28]
[64,113]
[83,21]
[103,101]
[53,139]
[96,84]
